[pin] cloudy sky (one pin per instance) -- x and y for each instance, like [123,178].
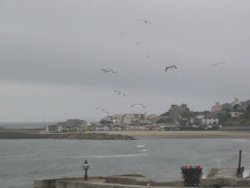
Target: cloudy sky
[52,53]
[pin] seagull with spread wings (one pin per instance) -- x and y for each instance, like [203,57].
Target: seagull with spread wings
[120,93]
[141,105]
[170,67]
[109,70]
[216,64]
[105,70]
[102,109]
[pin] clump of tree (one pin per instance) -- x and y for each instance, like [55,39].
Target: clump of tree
[242,119]
[248,111]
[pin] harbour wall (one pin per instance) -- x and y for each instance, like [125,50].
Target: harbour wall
[137,181]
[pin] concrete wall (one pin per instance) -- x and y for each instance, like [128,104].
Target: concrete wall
[77,184]
[51,182]
[128,180]
[48,183]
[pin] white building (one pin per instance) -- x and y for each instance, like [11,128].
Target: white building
[210,121]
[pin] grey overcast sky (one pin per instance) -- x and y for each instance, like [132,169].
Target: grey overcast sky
[52,53]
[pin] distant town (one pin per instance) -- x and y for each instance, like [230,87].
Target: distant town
[232,116]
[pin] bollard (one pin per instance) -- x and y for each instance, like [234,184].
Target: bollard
[85,168]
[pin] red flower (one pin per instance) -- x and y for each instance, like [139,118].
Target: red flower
[198,167]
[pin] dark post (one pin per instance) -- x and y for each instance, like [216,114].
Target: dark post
[239,165]
[85,168]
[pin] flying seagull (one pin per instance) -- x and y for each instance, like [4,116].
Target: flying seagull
[145,21]
[170,67]
[109,70]
[105,70]
[220,63]
[142,105]
[120,93]
[137,43]
[102,109]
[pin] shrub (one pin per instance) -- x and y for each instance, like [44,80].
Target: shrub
[191,175]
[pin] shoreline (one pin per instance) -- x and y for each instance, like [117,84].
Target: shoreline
[183,134]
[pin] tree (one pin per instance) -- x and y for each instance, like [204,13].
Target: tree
[248,111]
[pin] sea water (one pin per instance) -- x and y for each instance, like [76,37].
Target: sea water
[22,161]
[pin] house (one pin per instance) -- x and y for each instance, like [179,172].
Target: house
[107,121]
[86,126]
[102,128]
[210,121]
[150,119]
[71,125]
[216,108]
[117,119]
[52,129]
[204,119]
[129,119]
[235,114]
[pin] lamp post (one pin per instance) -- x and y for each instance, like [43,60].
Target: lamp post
[85,168]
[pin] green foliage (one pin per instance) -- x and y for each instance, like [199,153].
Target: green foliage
[248,112]
[248,109]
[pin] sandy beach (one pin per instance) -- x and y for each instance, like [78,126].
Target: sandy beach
[184,134]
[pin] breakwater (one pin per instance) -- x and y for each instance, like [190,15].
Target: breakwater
[88,136]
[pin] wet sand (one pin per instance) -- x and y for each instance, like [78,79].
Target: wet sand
[184,134]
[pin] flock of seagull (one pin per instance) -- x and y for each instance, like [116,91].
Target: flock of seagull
[109,70]
[132,105]
[112,71]
[120,93]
